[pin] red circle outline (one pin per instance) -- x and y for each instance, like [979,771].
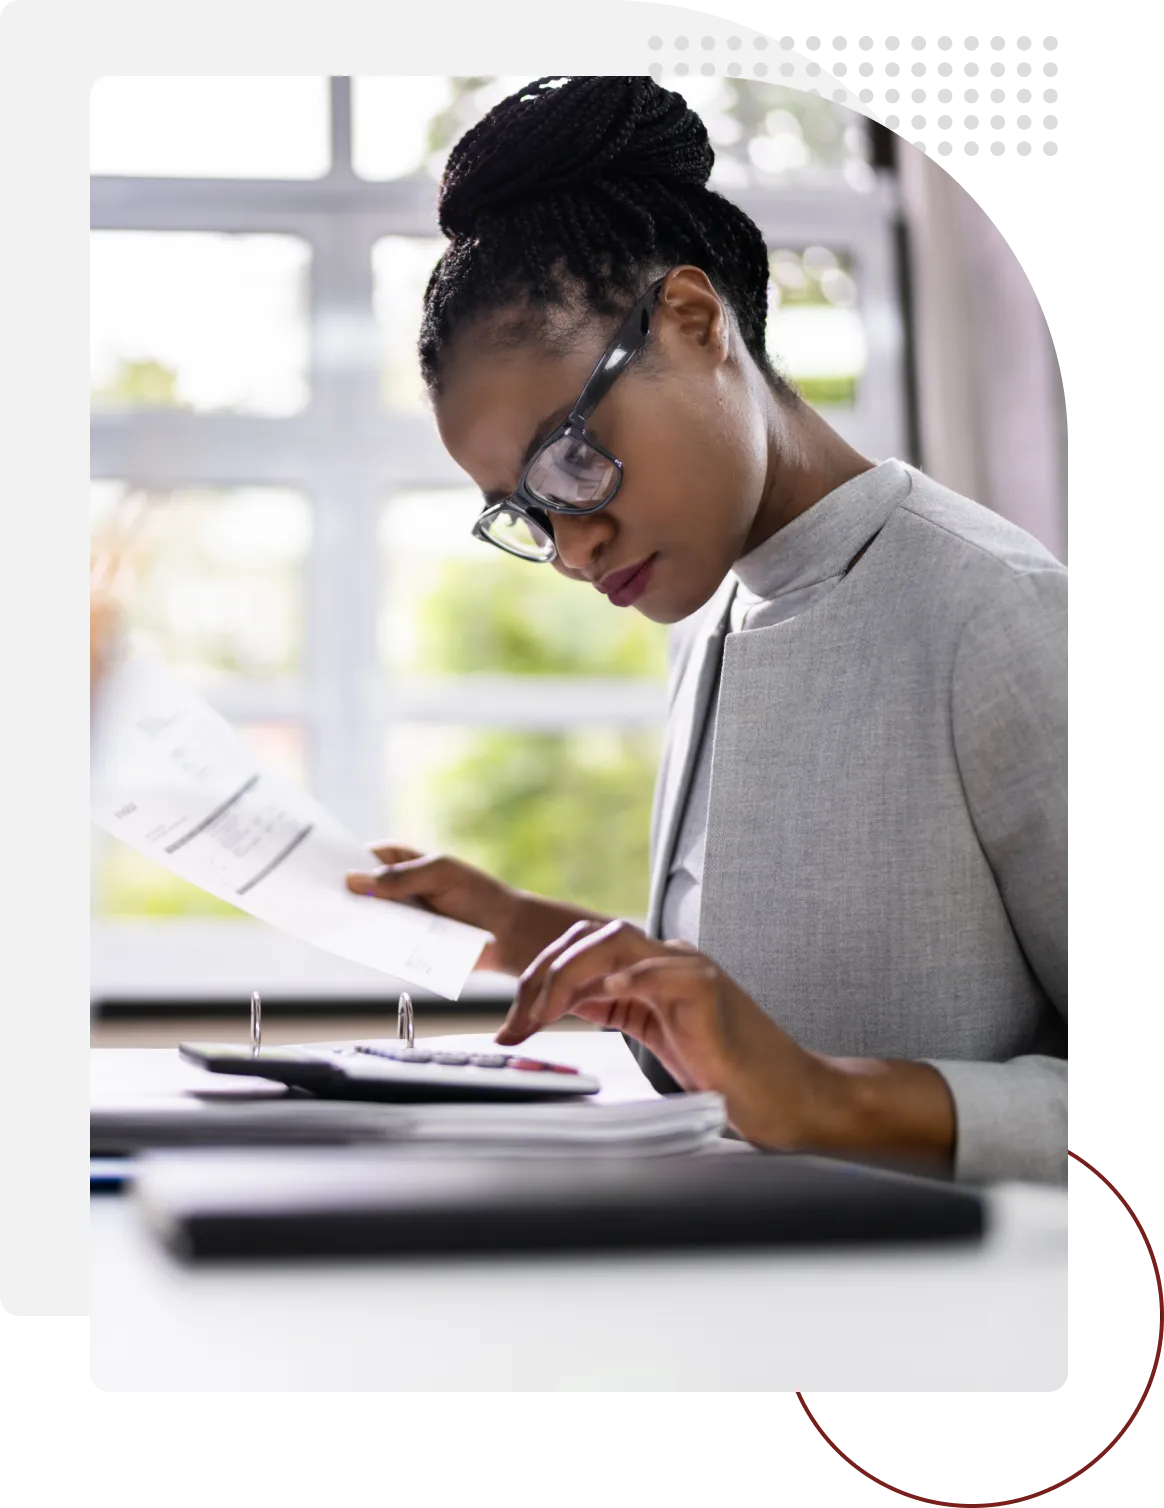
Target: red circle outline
[1042,1492]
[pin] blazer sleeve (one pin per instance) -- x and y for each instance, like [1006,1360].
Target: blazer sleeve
[1009,723]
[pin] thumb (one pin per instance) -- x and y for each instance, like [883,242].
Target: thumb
[393,853]
[411,878]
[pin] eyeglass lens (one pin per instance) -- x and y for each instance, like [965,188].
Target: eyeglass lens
[572,474]
[515,532]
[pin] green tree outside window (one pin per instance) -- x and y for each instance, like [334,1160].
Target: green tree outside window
[564,813]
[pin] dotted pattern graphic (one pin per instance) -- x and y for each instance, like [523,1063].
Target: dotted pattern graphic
[962,95]
[943,95]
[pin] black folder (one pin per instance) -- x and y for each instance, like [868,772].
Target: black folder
[376,1202]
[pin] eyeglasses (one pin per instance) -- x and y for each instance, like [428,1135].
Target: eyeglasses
[569,472]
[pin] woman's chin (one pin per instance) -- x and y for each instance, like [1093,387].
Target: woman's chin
[677,604]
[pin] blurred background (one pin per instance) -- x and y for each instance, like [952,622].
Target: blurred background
[259,251]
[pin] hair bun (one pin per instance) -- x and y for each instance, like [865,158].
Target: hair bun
[568,136]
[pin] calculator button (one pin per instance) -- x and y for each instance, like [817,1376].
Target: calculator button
[398,1054]
[528,1063]
[489,1059]
[451,1059]
[559,1068]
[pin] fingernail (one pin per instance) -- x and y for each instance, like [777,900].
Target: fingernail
[616,982]
[360,883]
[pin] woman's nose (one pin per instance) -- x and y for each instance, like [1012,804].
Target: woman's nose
[580,538]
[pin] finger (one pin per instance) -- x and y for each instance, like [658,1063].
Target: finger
[664,979]
[681,993]
[517,1024]
[418,874]
[636,984]
[394,853]
[612,948]
[638,1020]
[546,1009]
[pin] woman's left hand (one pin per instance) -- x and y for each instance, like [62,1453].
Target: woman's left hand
[706,1031]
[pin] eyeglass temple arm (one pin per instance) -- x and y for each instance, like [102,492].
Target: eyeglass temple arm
[621,350]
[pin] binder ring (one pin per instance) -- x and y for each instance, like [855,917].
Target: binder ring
[404,1019]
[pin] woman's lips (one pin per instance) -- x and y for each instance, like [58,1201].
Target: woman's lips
[629,586]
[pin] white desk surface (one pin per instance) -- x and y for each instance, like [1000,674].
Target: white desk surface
[991,1316]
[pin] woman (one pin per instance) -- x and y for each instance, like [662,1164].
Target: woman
[857,929]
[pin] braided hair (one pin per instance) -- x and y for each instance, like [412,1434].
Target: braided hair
[572,195]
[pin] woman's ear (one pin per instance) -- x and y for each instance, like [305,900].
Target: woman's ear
[693,316]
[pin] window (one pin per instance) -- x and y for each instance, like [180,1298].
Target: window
[400,270]
[771,137]
[403,127]
[202,322]
[525,704]
[816,331]
[303,552]
[188,127]
[218,579]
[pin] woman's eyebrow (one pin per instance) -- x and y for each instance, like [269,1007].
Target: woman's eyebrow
[498,495]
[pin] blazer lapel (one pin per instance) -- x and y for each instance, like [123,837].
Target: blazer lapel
[685,724]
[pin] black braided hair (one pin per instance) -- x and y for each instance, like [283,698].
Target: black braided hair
[572,195]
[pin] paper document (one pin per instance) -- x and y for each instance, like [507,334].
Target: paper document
[660,1127]
[171,778]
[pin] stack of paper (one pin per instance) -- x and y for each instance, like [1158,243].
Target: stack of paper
[679,1123]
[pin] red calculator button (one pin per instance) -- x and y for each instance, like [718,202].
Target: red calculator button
[559,1068]
[529,1063]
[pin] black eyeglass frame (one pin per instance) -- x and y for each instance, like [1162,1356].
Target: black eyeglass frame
[627,343]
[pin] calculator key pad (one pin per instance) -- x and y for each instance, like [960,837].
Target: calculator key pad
[400,1054]
[405,1054]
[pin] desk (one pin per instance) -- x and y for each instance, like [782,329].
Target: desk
[988,1317]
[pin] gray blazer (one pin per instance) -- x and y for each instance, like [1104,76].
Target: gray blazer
[886,861]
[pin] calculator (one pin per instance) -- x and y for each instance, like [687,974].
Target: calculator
[391,1070]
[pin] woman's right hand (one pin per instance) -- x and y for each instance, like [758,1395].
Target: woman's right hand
[521,924]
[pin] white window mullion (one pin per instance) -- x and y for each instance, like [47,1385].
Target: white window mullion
[342,586]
